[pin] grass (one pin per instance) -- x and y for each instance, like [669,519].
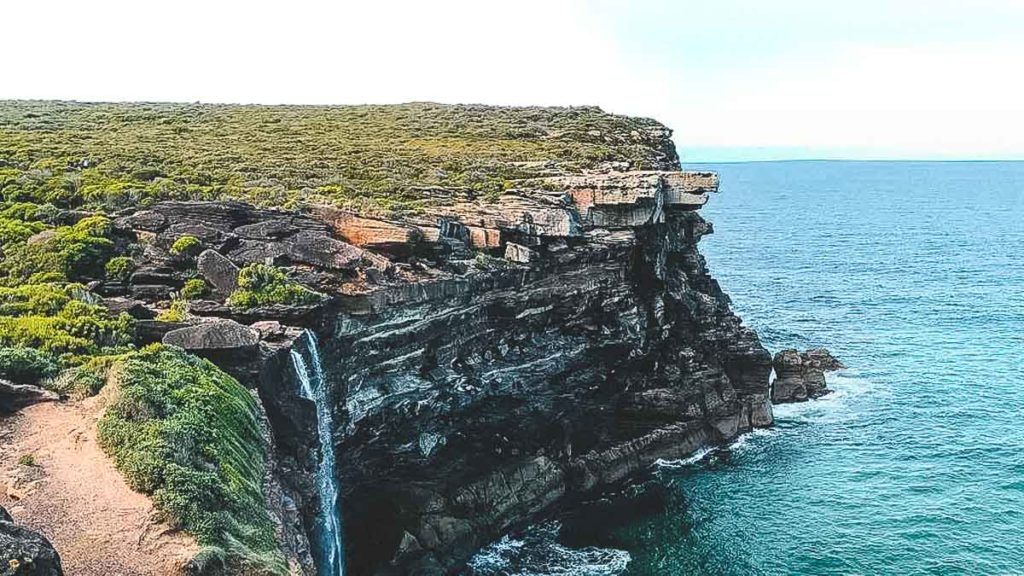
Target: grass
[372,158]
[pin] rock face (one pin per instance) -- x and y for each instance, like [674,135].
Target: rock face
[14,397]
[487,360]
[539,349]
[24,552]
[801,376]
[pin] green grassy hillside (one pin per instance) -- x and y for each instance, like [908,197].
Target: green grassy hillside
[368,157]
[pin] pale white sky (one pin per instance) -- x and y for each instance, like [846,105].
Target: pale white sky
[735,78]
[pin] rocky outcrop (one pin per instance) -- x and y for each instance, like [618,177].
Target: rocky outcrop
[214,337]
[801,376]
[487,360]
[24,552]
[14,397]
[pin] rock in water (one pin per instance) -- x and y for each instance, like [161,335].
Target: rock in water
[24,552]
[801,376]
[14,397]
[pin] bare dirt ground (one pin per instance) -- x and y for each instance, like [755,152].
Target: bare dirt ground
[55,479]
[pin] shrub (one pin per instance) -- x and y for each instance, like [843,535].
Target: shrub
[189,435]
[77,251]
[119,268]
[185,246]
[177,312]
[194,288]
[85,380]
[27,460]
[263,285]
[77,328]
[26,365]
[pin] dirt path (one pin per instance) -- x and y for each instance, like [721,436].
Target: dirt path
[72,494]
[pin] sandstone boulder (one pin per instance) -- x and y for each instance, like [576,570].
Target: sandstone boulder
[219,336]
[322,250]
[24,552]
[220,272]
[14,397]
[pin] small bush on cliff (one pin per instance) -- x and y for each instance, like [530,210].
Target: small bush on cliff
[193,289]
[119,268]
[189,435]
[262,285]
[186,246]
[177,312]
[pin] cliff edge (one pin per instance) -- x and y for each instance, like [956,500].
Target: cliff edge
[474,316]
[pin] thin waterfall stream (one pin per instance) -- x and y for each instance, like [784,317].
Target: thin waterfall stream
[311,377]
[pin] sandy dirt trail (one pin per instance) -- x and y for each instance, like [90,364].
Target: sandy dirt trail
[72,494]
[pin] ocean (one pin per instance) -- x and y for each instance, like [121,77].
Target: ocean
[913,274]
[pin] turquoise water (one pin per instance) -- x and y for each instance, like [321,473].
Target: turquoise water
[913,274]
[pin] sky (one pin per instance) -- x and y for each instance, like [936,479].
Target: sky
[735,79]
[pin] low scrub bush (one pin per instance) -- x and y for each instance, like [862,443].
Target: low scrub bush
[26,365]
[263,285]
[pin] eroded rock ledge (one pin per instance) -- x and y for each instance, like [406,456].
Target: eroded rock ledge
[487,359]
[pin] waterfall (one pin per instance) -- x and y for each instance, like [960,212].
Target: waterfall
[311,376]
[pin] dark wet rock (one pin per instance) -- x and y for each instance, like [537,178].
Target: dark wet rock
[209,308]
[146,220]
[801,376]
[134,308]
[24,552]
[14,397]
[219,271]
[218,336]
[151,292]
[156,275]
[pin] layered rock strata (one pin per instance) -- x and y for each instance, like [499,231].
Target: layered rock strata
[800,376]
[487,360]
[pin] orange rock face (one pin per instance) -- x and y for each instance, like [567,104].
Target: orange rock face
[368,232]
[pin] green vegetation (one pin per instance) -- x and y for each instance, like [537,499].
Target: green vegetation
[26,365]
[61,321]
[193,289]
[186,246]
[27,460]
[380,158]
[177,312]
[119,268]
[262,285]
[189,435]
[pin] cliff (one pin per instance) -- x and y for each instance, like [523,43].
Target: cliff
[484,355]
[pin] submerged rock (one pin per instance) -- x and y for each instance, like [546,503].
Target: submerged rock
[801,376]
[24,552]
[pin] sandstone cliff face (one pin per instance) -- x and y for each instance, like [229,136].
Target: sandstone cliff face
[486,360]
